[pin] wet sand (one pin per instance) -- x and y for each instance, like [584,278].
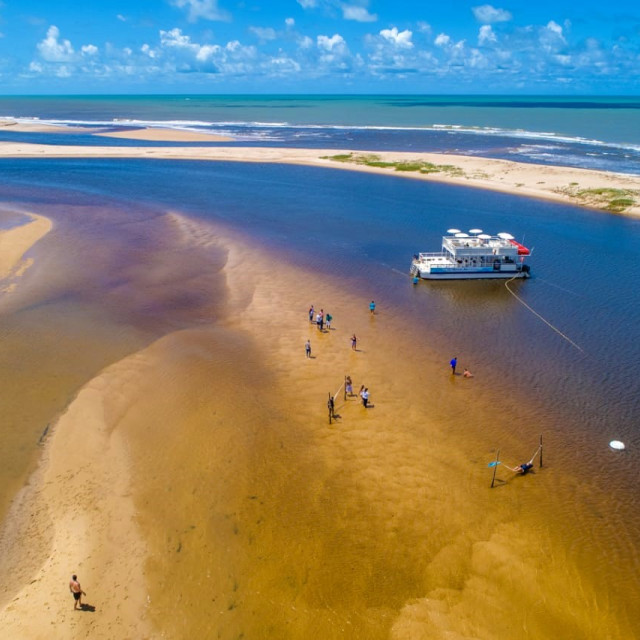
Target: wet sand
[197,488]
[165,135]
[560,184]
[14,244]
[35,127]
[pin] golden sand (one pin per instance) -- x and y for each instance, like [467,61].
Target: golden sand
[34,127]
[561,184]
[198,490]
[14,244]
[165,135]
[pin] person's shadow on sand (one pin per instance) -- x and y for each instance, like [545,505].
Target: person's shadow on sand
[87,607]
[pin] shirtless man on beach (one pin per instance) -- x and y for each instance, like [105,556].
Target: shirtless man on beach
[76,590]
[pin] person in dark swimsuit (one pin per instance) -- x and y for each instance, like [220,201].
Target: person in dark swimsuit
[524,467]
[76,590]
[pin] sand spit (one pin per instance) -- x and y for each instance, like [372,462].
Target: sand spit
[77,511]
[15,242]
[36,127]
[582,187]
[165,135]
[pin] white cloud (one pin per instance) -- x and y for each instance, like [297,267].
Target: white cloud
[357,13]
[283,65]
[121,17]
[89,50]
[551,37]
[554,27]
[488,14]
[264,34]
[400,39]
[424,27]
[486,35]
[185,56]
[207,9]
[305,42]
[290,22]
[175,38]
[148,51]
[308,4]
[53,50]
[329,44]
[442,40]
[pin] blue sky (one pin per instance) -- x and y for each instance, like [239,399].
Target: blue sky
[319,46]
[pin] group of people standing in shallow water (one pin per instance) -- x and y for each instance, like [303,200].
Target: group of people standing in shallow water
[323,320]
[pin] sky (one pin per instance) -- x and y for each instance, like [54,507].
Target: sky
[319,46]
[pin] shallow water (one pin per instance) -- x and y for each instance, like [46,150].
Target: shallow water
[379,532]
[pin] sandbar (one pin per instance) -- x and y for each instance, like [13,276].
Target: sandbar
[165,135]
[15,242]
[197,488]
[601,190]
[36,127]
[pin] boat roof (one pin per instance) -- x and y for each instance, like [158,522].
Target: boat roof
[475,243]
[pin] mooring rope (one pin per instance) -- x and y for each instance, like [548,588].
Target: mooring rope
[535,313]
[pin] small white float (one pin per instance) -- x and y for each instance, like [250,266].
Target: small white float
[617,445]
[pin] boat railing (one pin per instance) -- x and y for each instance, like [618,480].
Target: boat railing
[439,254]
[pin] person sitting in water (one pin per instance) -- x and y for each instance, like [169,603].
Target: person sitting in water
[467,374]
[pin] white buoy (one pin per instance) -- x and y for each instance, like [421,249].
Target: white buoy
[617,445]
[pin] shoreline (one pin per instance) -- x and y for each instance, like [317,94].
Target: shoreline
[14,244]
[595,190]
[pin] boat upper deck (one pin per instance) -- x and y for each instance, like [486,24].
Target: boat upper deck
[474,246]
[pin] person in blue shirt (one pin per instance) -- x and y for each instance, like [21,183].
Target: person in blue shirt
[453,364]
[372,306]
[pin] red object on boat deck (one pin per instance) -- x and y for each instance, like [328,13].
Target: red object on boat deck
[522,250]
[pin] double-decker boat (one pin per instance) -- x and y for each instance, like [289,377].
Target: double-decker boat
[473,255]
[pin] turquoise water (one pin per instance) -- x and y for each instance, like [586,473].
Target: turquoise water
[590,132]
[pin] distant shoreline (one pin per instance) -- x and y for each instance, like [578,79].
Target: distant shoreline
[600,190]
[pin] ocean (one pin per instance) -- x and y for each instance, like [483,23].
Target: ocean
[589,132]
[571,373]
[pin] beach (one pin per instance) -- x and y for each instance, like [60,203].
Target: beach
[582,187]
[164,135]
[190,475]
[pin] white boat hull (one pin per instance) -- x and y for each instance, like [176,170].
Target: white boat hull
[466,275]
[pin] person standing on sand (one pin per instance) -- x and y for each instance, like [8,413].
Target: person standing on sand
[307,348]
[76,590]
[329,318]
[311,313]
[453,364]
[349,386]
[365,398]
[354,342]
[372,307]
